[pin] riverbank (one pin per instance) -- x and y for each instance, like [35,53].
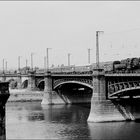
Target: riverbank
[24,95]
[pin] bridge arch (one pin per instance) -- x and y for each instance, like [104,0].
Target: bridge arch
[73,82]
[41,84]
[126,88]
[131,91]
[24,84]
[73,91]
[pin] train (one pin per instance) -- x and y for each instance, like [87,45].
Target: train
[128,65]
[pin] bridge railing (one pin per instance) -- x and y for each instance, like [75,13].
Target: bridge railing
[68,69]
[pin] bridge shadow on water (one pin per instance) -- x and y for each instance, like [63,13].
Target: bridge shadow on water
[66,113]
[129,106]
[71,120]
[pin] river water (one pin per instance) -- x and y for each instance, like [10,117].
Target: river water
[30,120]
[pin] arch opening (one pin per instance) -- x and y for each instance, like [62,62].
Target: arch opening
[41,86]
[25,84]
[74,93]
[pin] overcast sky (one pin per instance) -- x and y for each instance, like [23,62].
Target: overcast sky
[68,27]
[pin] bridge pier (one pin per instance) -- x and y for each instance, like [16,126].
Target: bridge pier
[19,82]
[102,109]
[47,98]
[31,81]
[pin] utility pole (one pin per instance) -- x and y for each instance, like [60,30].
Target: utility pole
[3,65]
[31,61]
[19,63]
[45,63]
[97,48]
[69,59]
[6,66]
[26,63]
[89,55]
[47,57]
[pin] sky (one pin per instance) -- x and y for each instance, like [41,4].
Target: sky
[68,27]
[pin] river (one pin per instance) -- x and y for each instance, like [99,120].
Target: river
[30,120]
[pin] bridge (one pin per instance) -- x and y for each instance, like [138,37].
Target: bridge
[113,96]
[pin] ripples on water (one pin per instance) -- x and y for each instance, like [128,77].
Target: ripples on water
[33,121]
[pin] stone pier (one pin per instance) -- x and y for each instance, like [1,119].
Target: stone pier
[102,109]
[19,82]
[47,98]
[31,81]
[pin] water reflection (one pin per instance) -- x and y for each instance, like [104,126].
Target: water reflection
[71,120]
[33,121]
[66,113]
[30,120]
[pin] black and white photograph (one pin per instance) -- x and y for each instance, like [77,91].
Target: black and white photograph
[69,70]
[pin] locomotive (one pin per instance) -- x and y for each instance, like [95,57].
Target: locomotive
[129,65]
